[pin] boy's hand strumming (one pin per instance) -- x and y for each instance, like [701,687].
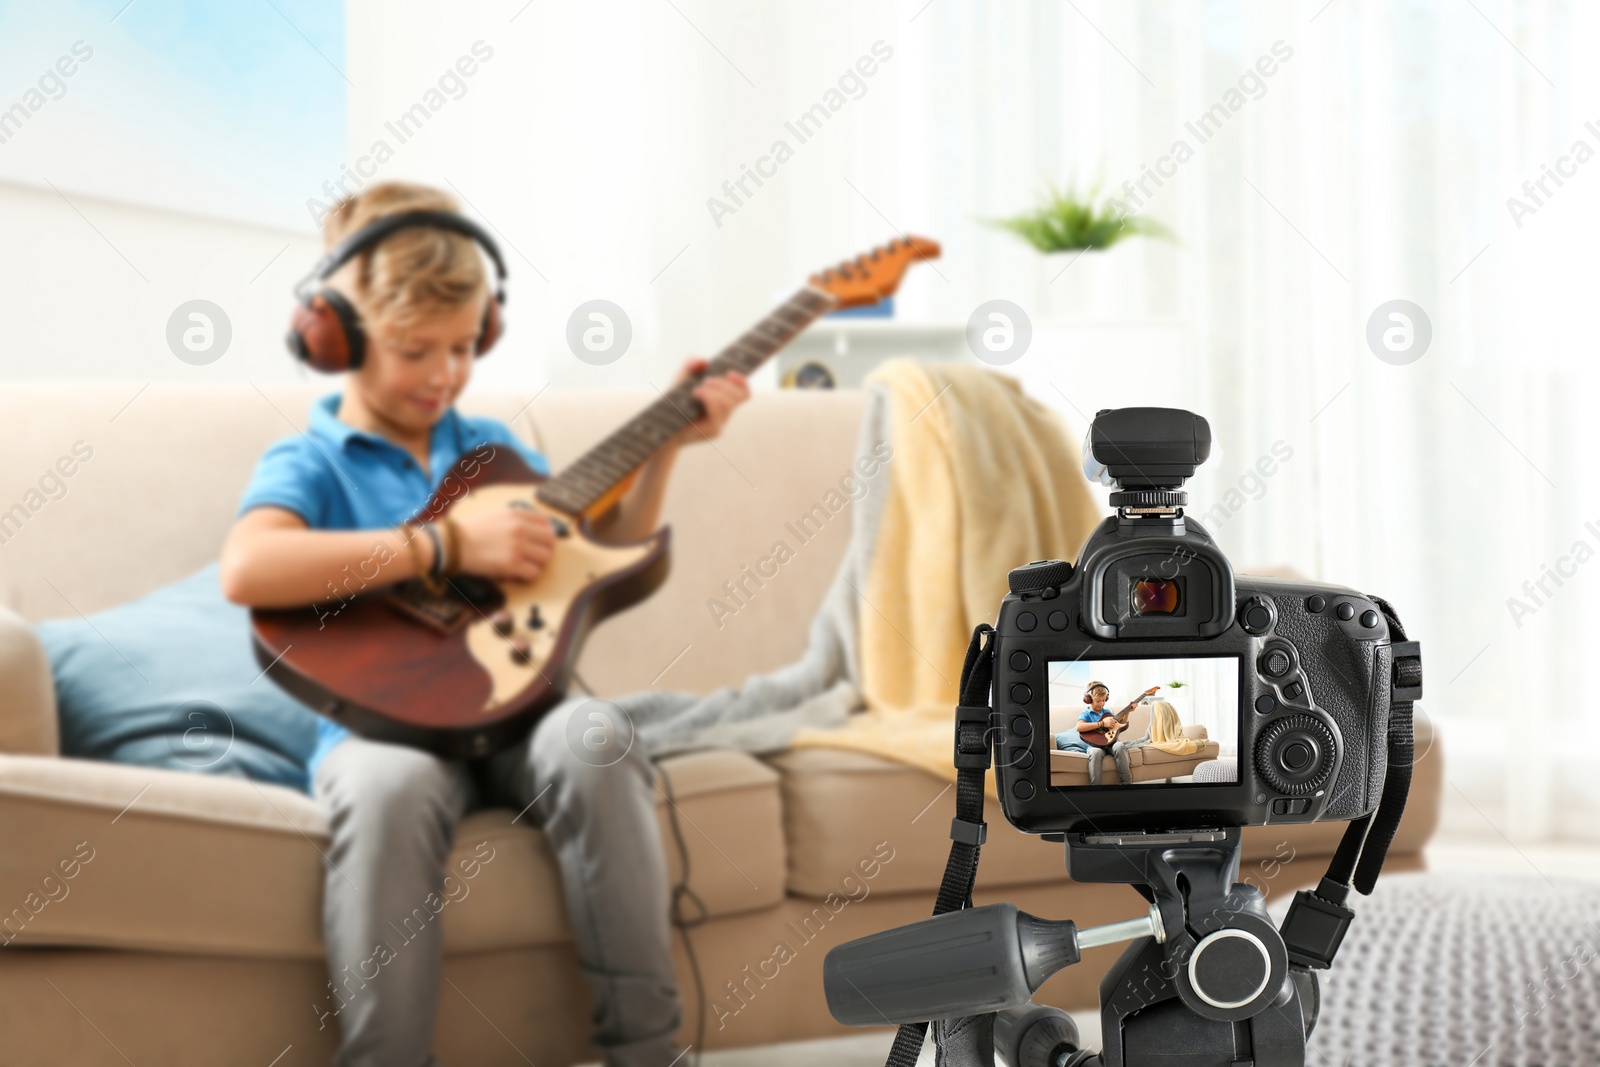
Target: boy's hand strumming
[506,544]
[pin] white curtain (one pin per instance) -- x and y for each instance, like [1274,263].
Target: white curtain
[1374,162]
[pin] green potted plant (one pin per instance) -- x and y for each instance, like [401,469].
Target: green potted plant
[1076,224]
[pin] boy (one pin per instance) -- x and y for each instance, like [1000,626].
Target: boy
[324,499]
[1095,695]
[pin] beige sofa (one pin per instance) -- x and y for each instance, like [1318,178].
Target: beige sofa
[192,935]
[1145,764]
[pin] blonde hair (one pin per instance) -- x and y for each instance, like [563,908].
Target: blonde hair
[411,272]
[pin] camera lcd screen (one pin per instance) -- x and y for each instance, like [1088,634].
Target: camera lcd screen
[1146,721]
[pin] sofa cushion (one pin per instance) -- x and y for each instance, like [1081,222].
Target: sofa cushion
[28,722]
[139,858]
[1145,763]
[837,805]
[169,680]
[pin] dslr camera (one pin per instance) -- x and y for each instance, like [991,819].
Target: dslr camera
[1207,698]
[1142,705]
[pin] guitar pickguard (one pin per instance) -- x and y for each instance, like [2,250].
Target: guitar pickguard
[576,564]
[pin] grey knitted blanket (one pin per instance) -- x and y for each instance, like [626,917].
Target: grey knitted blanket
[821,688]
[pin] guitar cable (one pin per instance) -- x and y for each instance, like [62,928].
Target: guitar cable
[680,893]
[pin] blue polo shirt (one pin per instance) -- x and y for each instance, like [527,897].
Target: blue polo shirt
[337,477]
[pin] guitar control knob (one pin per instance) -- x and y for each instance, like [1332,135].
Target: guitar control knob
[503,622]
[560,526]
[535,620]
[521,649]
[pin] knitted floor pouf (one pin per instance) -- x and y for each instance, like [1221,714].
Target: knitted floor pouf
[1464,971]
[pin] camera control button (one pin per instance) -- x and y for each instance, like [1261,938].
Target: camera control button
[1038,576]
[1027,621]
[1057,620]
[1346,611]
[1021,726]
[1369,619]
[1256,617]
[1316,603]
[1265,703]
[1022,790]
[1294,691]
[1291,805]
[1022,758]
[1021,694]
[1276,663]
[1020,660]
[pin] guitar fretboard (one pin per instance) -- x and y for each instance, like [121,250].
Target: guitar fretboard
[577,488]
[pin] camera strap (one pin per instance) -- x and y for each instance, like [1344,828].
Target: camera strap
[1316,921]
[967,829]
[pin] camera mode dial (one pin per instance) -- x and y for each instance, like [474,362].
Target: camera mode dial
[1039,575]
[1295,754]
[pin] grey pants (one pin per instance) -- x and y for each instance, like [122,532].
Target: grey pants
[1119,753]
[392,814]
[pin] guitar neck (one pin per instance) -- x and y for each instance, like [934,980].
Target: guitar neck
[598,472]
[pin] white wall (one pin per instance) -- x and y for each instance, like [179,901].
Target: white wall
[87,287]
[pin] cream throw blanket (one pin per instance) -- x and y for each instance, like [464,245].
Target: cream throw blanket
[984,478]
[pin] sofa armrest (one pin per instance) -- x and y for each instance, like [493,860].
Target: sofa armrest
[1198,733]
[28,724]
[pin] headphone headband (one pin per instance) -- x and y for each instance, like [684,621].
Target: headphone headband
[325,329]
[380,228]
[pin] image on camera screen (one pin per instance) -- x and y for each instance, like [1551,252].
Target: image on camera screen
[1144,721]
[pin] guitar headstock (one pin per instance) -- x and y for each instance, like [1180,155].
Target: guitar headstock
[873,275]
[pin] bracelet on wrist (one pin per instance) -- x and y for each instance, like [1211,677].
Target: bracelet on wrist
[408,530]
[452,540]
[432,576]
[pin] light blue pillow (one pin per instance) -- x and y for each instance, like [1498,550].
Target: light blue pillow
[170,680]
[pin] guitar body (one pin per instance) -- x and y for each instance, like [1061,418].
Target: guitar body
[444,673]
[1103,737]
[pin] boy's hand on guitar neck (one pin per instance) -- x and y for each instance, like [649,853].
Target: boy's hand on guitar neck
[506,544]
[718,397]
[515,544]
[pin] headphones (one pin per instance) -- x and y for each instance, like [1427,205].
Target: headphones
[325,329]
[1088,691]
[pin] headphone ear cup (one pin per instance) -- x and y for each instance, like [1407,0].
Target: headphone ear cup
[325,332]
[493,325]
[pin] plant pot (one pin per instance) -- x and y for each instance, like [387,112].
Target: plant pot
[1081,284]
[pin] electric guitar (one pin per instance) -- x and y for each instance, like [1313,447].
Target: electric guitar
[1115,724]
[472,669]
